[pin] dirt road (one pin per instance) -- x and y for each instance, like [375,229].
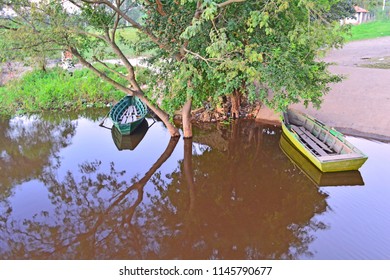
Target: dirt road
[360,105]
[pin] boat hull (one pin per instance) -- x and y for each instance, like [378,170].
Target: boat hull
[319,178]
[335,165]
[119,109]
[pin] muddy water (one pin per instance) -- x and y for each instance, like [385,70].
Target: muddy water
[70,189]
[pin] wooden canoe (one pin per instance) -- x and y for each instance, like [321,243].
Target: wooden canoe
[319,178]
[325,147]
[128,114]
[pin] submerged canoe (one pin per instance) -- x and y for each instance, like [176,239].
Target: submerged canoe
[325,147]
[128,114]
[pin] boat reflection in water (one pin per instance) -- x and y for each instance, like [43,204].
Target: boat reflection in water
[344,178]
[129,142]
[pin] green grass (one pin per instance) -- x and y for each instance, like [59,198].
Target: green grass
[129,35]
[370,30]
[56,89]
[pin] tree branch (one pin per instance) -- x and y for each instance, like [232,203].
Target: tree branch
[197,14]
[115,27]
[90,34]
[117,85]
[228,2]
[160,8]
[8,28]
[130,69]
[108,68]
[132,22]
[198,56]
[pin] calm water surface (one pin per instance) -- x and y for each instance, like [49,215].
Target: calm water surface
[70,189]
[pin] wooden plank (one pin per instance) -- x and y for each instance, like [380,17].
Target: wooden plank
[318,141]
[129,115]
[340,157]
[125,116]
[308,141]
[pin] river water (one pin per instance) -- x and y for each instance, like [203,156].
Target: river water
[70,189]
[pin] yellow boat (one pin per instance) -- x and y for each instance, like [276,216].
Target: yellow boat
[320,179]
[325,147]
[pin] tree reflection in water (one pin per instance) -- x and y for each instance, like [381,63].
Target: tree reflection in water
[238,198]
[27,145]
[247,201]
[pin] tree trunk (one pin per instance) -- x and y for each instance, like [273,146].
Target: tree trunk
[186,115]
[173,130]
[235,99]
[43,67]
[41,63]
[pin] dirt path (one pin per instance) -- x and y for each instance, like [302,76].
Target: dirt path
[360,105]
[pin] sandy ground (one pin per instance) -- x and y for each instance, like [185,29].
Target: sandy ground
[360,105]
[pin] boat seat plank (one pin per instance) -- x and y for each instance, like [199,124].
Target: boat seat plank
[339,157]
[308,141]
[318,141]
[129,115]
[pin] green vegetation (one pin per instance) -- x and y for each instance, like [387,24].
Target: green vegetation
[56,89]
[264,50]
[370,30]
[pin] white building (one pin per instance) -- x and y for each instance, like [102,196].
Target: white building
[362,15]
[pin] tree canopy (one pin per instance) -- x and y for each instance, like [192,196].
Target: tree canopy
[200,50]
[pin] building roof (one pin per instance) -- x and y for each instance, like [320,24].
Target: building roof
[360,9]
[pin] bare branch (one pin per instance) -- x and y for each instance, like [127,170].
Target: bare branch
[126,62]
[117,85]
[75,3]
[228,2]
[131,21]
[115,27]
[198,56]
[109,68]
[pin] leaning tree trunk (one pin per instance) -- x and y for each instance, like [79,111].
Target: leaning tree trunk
[186,116]
[164,117]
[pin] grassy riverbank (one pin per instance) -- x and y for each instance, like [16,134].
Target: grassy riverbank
[56,89]
[370,30]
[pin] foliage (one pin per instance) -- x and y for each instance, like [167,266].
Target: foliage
[25,41]
[369,4]
[200,49]
[265,49]
[56,89]
[342,9]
